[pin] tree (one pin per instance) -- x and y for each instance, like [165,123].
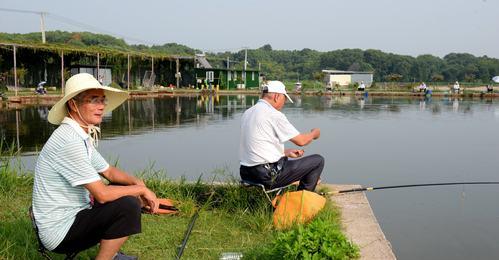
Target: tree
[437,77]
[394,77]
[266,47]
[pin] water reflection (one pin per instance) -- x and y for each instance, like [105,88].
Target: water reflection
[455,105]
[28,127]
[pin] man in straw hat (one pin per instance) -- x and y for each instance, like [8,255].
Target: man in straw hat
[72,206]
[264,130]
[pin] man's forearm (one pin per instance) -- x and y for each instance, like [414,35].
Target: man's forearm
[116,176]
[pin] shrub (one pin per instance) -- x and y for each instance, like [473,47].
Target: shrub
[320,239]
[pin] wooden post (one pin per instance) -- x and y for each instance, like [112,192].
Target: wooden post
[62,73]
[152,65]
[128,73]
[177,71]
[15,69]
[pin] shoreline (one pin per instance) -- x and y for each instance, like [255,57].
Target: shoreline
[50,99]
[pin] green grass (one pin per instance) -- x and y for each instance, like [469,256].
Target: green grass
[233,219]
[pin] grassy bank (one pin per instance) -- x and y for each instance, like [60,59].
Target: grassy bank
[234,219]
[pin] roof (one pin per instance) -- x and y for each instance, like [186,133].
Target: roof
[225,69]
[346,72]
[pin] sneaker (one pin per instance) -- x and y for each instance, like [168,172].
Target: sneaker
[121,256]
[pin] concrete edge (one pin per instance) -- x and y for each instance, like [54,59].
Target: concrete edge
[360,224]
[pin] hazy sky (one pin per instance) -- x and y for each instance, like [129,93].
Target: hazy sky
[411,27]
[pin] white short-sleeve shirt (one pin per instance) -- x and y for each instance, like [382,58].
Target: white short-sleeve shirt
[264,130]
[66,163]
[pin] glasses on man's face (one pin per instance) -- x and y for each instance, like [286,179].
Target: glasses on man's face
[96,101]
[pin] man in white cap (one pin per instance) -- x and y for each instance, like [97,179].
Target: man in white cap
[264,130]
[72,206]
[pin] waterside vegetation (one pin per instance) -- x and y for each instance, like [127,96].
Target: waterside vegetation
[233,219]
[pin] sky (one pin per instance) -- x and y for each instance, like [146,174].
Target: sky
[407,27]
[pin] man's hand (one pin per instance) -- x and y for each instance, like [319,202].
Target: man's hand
[316,132]
[150,201]
[294,153]
[140,182]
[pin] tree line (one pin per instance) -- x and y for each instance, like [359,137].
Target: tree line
[305,63]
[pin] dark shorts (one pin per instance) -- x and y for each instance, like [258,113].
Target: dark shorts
[115,219]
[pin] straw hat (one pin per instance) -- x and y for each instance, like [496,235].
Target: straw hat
[79,83]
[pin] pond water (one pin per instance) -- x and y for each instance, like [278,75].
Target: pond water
[369,141]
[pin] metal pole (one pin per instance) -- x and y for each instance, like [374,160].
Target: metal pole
[98,66]
[62,72]
[128,73]
[42,26]
[152,76]
[245,58]
[15,70]
[245,64]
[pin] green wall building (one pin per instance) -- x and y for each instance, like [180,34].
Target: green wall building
[227,79]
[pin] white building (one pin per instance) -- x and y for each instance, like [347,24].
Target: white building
[345,78]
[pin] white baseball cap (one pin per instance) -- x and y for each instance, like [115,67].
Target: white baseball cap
[275,86]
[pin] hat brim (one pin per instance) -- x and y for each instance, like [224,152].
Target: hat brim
[114,96]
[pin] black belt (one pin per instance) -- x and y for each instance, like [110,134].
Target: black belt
[273,169]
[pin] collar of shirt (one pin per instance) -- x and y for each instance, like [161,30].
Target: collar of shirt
[76,127]
[267,103]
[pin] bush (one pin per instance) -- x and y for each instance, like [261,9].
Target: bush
[320,239]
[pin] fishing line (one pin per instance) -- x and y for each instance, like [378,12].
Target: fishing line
[408,186]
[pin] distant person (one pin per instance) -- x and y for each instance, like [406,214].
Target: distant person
[361,87]
[428,92]
[422,87]
[456,87]
[329,87]
[264,130]
[73,208]
[40,89]
[298,87]
[490,89]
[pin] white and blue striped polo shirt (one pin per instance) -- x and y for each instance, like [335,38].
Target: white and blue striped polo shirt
[66,163]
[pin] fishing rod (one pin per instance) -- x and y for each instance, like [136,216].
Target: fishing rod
[190,227]
[407,186]
[187,234]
